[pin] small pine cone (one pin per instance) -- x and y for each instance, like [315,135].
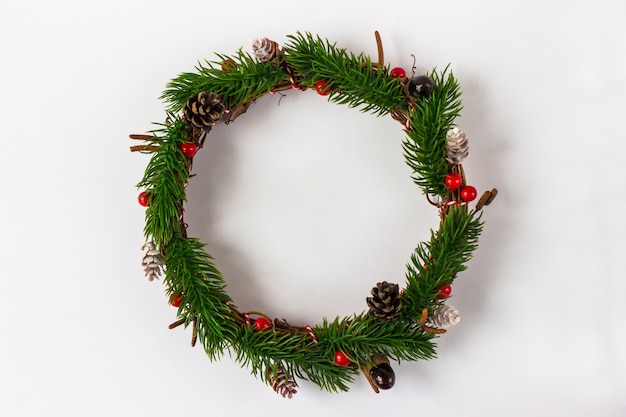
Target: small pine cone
[264,49]
[444,317]
[457,146]
[385,302]
[286,387]
[204,110]
[152,261]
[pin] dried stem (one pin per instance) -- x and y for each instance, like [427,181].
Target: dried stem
[486,198]
[381,53]
[194,332]
[143,148]
[141,137]
[422,324]
[176,324]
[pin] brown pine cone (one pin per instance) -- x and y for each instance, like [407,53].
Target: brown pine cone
[385,302]
[204,110]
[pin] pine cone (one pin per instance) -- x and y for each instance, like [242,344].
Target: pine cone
[385,302]
[281,384]
[204,110]
[444,317]
[264,49]
[152,261]
[457,146]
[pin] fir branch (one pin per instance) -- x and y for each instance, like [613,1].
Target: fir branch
[244,78]
[361,337]
[297,353]
[191,273]
[425,145]
[164,179]
[354,80]
[439,260]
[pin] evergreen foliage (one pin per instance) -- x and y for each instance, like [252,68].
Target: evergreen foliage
[190,270]
[353,78]
[439,260]
[165,177]
[242,79]
[425,145]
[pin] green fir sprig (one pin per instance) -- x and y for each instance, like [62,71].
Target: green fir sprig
[165,178]
[355,81]
[307,353]
[425,144]
[438,261]
[242,78]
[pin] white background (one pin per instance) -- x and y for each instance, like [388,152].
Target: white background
[306,205]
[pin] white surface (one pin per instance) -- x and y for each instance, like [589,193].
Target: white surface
[305,197]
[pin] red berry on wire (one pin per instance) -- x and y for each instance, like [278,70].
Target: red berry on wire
[341,359]
[144,198]
[228,64]
[176,299]
[321,88]
[468,193]
[444,291]
[453,181]
[189,149]
[262,324]
[397,72]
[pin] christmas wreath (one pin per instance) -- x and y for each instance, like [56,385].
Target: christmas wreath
[401,323]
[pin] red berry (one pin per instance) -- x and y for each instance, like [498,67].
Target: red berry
[453,181]
[228,64]
[262,324]
[321,88]
[144,198]
[444,291]
[341,359]
[176,299]
[468,193]
[189,149]
[397,72]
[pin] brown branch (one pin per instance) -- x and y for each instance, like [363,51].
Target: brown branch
[366,368]
[486,198]
[422,324]
[144,148]
[381,54]
[141,137]
[176,324]
[194,332]
[241,108]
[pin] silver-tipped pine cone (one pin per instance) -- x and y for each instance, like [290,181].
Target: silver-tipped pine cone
[385,302]
[283,385]
[204,110]
[152,261]
[265,49]
[444,317]
[457,146]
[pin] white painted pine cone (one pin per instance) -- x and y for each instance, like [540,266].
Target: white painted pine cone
[456,145]
[152,261]
[444,317]
[284,386]
[264,49]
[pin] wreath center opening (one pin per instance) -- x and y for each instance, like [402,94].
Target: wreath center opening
[303,204]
